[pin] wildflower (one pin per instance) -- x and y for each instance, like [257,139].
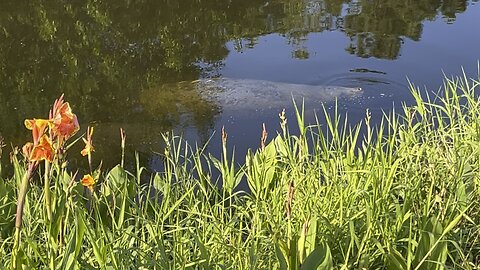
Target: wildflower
[64,122]
[43,150]
[61,124]
[88,181]
[39,123]
[88,143]
[37,126]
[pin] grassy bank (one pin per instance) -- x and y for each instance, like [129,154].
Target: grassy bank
[401,195]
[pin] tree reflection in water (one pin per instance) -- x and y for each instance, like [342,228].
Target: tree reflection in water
[104,54]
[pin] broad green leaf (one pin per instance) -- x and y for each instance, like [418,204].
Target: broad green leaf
[280,252]
[117,176]
[320,258]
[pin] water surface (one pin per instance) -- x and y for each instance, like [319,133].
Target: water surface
[121,63]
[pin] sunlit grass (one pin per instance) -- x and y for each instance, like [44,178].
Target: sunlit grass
[403,194]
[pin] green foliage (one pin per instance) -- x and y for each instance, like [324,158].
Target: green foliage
[401,195]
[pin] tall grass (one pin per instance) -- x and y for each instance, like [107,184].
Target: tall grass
[403,194]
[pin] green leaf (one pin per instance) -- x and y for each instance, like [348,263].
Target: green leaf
[121,215]
[280,253]
[176,204]
[320,258]
[204,254]
[270,152]
[310,244]
[281,146]
[117,176]
[94,241]
[217,163]
[395,260]
[300,116]
[301,242]
[432,249]
[461,194]
[74,245]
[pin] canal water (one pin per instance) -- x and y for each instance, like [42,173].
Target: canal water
[133,65]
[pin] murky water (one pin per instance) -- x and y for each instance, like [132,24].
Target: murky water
[130,65]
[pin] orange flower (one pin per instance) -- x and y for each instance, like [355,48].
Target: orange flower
[65,123]
[88,181]
[88,143]
[37,126]
[42,151]
[39,123]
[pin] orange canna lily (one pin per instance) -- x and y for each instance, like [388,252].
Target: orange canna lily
[42,151]
[39,123]
[88,143]
[88,181]
[37,126]
[65,123]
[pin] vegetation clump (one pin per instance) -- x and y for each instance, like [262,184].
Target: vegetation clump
[400,195]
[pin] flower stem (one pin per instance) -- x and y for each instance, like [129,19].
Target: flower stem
[47,190]
[19,216]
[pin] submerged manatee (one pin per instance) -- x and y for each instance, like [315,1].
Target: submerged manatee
[248,94]
[201,100]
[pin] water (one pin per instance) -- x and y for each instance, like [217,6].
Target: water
[120,64]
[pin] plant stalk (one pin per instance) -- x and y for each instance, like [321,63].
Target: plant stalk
[47,191]
[19,215]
